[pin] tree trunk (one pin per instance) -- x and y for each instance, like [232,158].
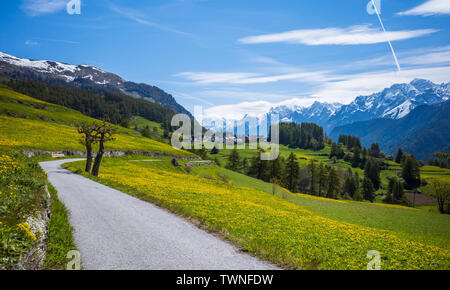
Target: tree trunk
[441,204]
[98,159]
[88,158]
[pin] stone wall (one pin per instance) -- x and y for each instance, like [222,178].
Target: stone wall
[34,259]
[111,153]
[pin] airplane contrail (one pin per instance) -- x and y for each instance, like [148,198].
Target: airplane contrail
[389,41]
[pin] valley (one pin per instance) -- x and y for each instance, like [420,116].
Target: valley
[289,229]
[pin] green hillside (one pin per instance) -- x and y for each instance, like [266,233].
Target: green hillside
[294,231]
[28,123]
[305,156]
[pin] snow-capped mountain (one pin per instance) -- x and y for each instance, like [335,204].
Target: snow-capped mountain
[395,102]
[82,76]
[318,113]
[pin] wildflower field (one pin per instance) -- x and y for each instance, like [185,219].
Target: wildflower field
[304,156]
[294,235]
[28,123]
[22,194]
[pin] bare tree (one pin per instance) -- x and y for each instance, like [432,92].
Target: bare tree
[89,130]
[441,192]
[445,157]
[104,133]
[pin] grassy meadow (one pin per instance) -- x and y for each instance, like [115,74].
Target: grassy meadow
[304,156]
[302,233]
[27,123]
[292,230]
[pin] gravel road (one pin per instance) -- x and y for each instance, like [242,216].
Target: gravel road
[114,230]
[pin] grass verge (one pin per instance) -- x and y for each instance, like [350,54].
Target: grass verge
[60,240]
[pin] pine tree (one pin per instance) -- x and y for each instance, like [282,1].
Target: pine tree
[357,195]
[313,177]
[399,156]
[357,180]
[349,184]
[411,172]
[374,150]
[245,165]
[276,168]
[203,153]
[364,157]
[395,192]
[292,173]
[368,191]
[334,150]
[234,161]
[146,132]
[372,171]
[333,183]
[217,161]
[322,178]
[125,123]
[214,151]
[259,169]
[356,156]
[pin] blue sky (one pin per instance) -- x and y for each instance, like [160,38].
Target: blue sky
[237,56]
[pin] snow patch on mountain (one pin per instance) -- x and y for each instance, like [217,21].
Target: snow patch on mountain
[66,72]
[82,76]
[395,102]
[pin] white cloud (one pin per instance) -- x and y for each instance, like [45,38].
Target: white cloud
[266,60]
[338,89]
[211,78]
[251,109]
[248,78]
[342,85]
[438,56]
[431,7]
[353,85]
[40,7]
[31,43]
[354,35]
[140,18]
[415,57]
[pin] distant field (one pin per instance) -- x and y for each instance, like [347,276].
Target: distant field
[156,132]
[301,233]
[304,156]
[142,123]
[27,123]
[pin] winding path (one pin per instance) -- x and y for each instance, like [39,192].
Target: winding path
[114,230]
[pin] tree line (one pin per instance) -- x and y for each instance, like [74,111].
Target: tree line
[304,136]
[317,178]
[332,181]
[115,106]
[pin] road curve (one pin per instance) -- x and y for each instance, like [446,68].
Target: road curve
[114,230]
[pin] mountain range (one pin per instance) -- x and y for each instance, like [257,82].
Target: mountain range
[425,130]
[83,76]
[414,117]
[404,115]
[395,102]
